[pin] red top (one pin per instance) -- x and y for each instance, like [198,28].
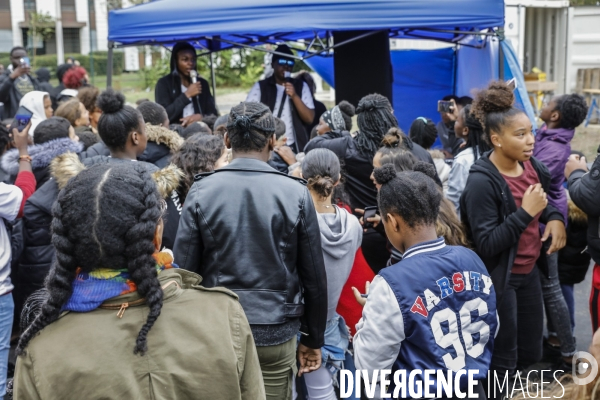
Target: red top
[26,182]
[530,243]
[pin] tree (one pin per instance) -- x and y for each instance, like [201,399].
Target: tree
[41,25]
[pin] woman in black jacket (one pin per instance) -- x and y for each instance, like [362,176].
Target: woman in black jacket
[185,102]
[375,119]
[502,206]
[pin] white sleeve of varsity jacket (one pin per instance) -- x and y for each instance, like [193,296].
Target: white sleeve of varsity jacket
[380,331]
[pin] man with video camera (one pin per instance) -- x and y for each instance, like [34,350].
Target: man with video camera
[16,83]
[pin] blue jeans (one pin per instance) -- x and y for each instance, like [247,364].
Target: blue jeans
[7,307]
[568,293]
[556,308]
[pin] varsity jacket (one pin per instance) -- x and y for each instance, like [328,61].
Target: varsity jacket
[411,305]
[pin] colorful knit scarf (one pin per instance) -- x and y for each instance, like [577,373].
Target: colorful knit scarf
[91,289]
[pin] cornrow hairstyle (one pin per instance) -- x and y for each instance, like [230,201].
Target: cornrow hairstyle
[199,153]
[117,120]
[412,195]
[476,138]
[375,118]
[69,110]
[250,126]
[153,113]
[321,169]
[105,217]
[494,107]
[573,110]
[423,132]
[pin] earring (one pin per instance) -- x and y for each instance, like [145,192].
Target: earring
[499,145]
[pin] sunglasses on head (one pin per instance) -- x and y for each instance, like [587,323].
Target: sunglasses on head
[283,61]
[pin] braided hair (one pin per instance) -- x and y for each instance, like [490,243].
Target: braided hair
[105,217]
[412,195]
[117,120]
[494,107]
[475,138]
[423,132]
[250,126]
[375,118]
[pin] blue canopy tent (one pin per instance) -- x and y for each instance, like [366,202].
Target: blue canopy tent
[213,26]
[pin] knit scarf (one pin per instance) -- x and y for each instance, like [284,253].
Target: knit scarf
[91,289]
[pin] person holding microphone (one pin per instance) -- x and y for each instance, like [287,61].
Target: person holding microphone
[185,95]
[288,98]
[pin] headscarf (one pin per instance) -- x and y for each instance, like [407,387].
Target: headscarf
[334,119]
[34,102]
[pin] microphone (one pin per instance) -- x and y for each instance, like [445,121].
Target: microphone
[194,76]
[288,76]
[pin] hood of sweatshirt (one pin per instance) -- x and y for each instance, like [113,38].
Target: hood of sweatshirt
[41,154]
[560,135]
[161,142]
[341,233]
[34,101]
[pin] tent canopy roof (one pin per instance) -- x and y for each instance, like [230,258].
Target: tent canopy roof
[241,22]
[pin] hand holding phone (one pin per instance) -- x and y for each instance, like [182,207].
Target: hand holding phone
[21,119]
[369,213]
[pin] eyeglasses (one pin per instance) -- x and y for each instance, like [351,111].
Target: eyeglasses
[283,61]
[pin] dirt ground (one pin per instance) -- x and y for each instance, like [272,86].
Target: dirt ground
[587,141]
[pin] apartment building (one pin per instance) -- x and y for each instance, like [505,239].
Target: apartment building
[84,24]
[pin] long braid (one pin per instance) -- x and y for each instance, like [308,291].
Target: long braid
[59,282]
[115,229]
[250,126]
[140,263]
[375,118]
[476,138]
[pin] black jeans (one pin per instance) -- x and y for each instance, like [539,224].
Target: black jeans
[519,340]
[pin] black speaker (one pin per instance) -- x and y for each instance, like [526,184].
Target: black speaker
[362,66]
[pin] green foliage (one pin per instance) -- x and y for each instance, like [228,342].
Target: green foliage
[585,3]
[100,62]
[153,74]
[41,26]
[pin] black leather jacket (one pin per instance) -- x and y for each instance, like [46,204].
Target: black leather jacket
[255,231]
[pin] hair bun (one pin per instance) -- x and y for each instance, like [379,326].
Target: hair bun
[347,108]
[425,168]
[111,101]
[498,97]
[384,174]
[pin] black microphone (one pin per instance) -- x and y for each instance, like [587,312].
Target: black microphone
[288,76]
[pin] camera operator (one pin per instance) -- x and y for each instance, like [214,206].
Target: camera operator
[16,83]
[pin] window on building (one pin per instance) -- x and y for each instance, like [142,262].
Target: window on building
[29,5]
[4,5]
[67,5]
[71,40]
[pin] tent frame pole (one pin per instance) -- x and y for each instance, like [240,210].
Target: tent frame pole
[109,62]
[500,55]
[213,76]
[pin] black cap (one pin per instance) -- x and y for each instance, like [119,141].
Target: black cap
[283,48]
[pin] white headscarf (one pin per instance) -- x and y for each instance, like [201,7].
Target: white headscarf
[34,101]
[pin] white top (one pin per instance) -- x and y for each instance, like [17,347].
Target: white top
[457,180]
[189,109]
[286,114]
[10,202]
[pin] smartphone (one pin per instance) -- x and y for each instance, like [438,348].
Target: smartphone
[25,61]
[445,106]
[21,119]
[369,213]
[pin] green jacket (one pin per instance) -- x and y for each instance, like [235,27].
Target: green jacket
[200,347]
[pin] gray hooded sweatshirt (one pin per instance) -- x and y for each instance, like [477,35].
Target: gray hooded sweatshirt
[341,236]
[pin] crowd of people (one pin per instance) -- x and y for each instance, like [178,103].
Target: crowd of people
[256,254]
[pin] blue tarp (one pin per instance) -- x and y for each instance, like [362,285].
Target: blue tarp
[254,21]
[415,93]
[422,77]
